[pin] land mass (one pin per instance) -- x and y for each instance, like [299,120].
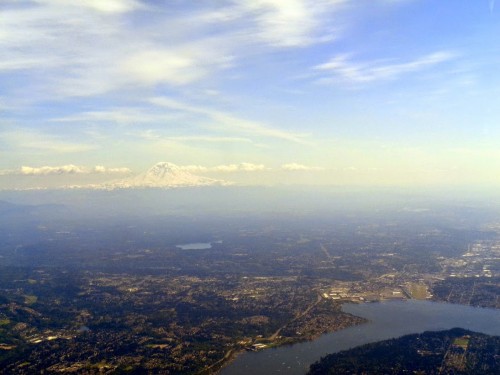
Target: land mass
[455,351]
[90,288]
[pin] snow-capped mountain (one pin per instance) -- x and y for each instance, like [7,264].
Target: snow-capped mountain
[163,175]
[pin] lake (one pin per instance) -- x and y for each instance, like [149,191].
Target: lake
[195,246]
[387,320]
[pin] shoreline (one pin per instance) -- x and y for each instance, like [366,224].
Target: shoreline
[235,353]
[227,361]
[445,316]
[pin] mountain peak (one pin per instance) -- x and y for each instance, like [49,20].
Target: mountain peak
[165,175]
[165,164]
[163,168]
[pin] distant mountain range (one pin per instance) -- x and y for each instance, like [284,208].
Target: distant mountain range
[164,175]
[161,175]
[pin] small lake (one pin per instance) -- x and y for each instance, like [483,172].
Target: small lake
[195,246]
[387,320]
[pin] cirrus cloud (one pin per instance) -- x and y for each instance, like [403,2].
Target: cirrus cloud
[108,6]
[342,68]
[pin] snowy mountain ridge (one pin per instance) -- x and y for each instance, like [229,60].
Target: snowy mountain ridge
[163,175]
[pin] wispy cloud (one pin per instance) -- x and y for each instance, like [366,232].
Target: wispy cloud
[232,123]
[79,47]
[290,23]
[209,139]
[22,140]
[174,66]
[91,47]
[153,135]
[227,122]
[119,116]
[341,68]
[108,6]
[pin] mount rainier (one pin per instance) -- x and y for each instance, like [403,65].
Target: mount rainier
[163,175]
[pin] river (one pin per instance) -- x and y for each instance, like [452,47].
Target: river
[386,320]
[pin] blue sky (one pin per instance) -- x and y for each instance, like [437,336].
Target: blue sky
[364,92]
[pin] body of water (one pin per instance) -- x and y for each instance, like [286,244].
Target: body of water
[195,246]
[387,320]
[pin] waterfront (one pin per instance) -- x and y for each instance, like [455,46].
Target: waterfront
[386,320]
